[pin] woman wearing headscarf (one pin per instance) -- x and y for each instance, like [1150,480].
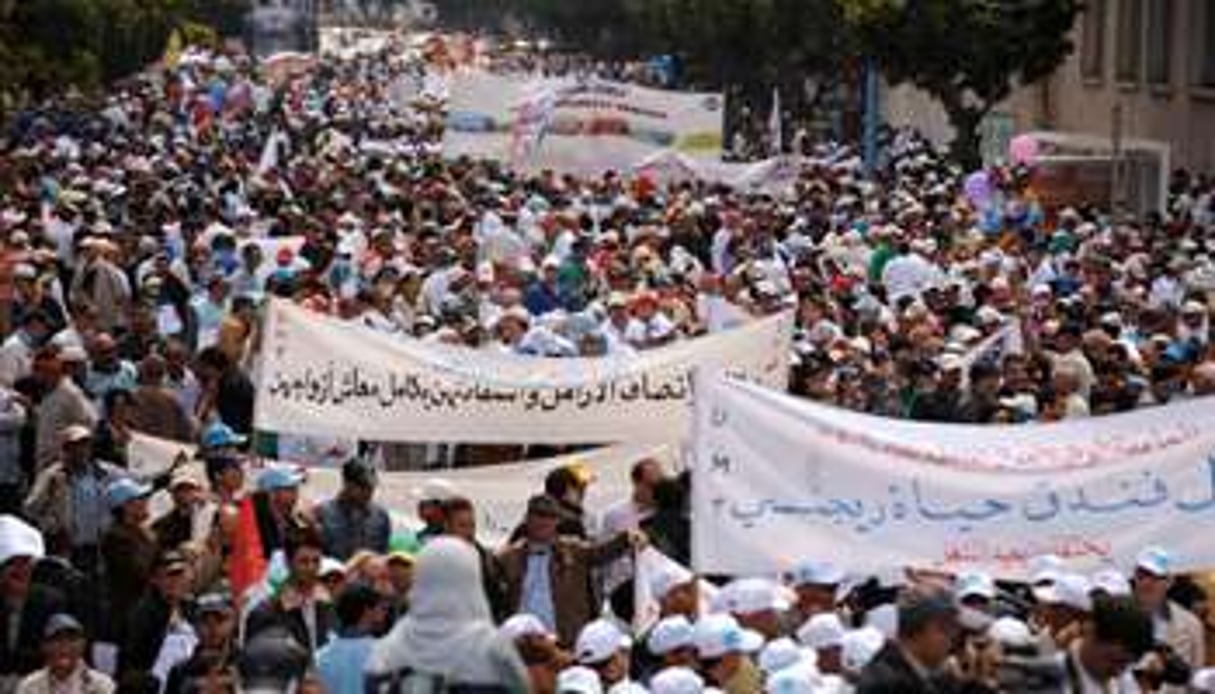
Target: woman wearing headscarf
[447,642]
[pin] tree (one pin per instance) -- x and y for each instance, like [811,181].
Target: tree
[968,54]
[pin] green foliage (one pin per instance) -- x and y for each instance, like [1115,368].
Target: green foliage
[969,54]
[47,46]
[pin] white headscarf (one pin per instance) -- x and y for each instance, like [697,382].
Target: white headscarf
[448,631]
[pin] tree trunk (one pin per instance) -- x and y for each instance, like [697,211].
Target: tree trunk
[967,142]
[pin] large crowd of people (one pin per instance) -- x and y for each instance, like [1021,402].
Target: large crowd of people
[143,236]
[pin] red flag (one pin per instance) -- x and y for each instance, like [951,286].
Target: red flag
[247,563]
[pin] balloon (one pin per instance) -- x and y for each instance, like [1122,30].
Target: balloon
[977,187]
[1023,149]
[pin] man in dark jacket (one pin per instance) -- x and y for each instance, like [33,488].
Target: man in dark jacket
[162,610]
[213,663]
[913,662]
[29,606]
[302,606]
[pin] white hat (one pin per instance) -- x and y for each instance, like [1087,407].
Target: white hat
[677,680]
[329,565]
[783,653]
[598,641]
[435,489]
[884,618]
[1111,581]
[19,539]
[1154,560]
[579,680]
[751,595]
[668,577]
[816,573]
[1070,590]
[1010,631]
[794,680]
[1045,568]
[975,585]
[822,631]
[520,625]
[860,646]
[670,634]
[719,634]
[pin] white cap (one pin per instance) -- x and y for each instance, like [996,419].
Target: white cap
[751,595]
[975,585]
[1010,631]
[329,565]
[1045,568]
[719,634]
[794,680]
[783,653]
[884,618]
[1071,590]
[520,625]
[435,489]
[1154,560]
[579,680]
[860,646]
[670,634]
[677,680]
[817,573]
[668,577]
[822,631]
[1111,581]
[598,641]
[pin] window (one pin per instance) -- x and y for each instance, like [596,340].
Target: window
[1202,43]
[1130,40]
[1160,41]
[1092,58]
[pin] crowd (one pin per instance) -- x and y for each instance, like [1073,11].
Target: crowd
[143,236]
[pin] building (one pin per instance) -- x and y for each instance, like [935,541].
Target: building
[1148,65]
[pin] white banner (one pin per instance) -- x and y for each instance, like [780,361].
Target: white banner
[324,377]
[781,480]
[571,125]
[499,492]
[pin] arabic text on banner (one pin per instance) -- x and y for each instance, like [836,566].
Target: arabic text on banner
[780,480]
[323,377]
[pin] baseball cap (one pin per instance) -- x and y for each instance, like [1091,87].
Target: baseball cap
[579,680]
[783,653]
[543,505]
[1111,581]
[185,477]
[1045,568]
[667,578]
[860,646]
[125,489]
[212,603]
[330,566]
[823,630]
[278,477]
[720,634]
[677,680]
[975,585]
[220,435]
[62,624]
[1010,631]
[1154,560]
[521,625]
[1069,590]
[794,680]
[598,641]
[74,433]
[435,489]
[671,633]
[816,573]
[751,595]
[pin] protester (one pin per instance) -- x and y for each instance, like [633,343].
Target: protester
[448,633]
[212,665]
[361,615]
[353,521]
[64,645]
[302,607]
